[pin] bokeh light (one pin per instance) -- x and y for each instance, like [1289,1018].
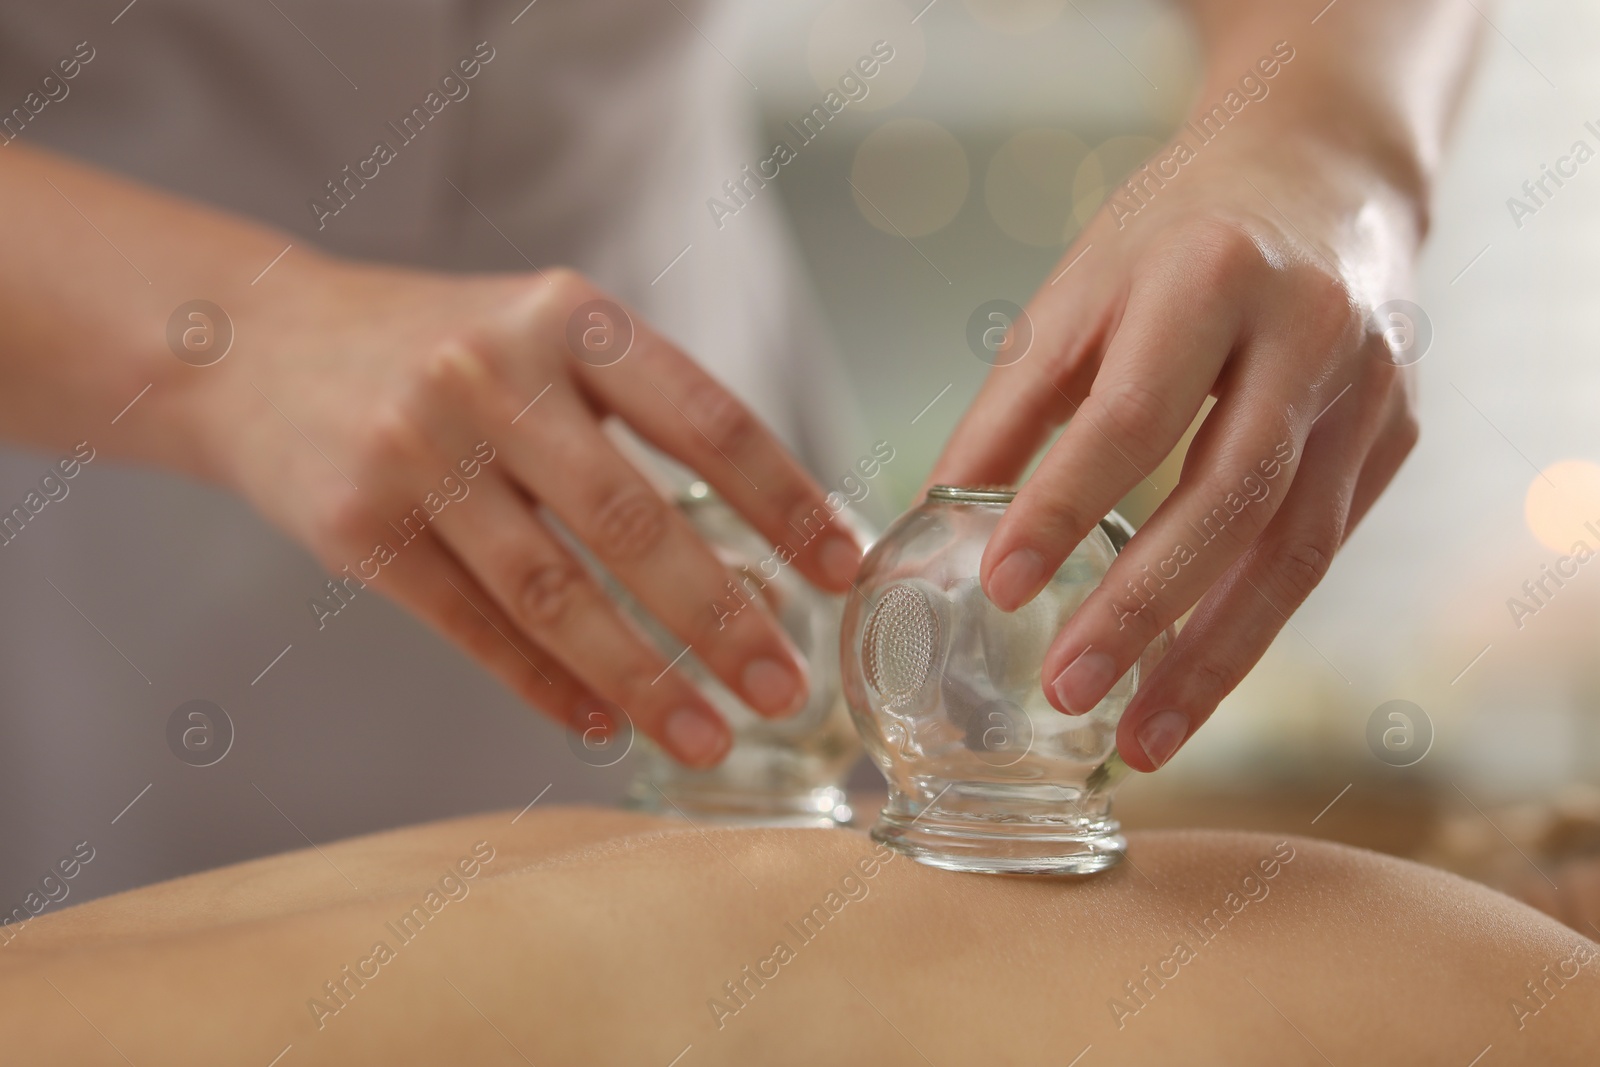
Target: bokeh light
[1104,169]
[1029,186]
[910,177]
[846,30]
[1561,499]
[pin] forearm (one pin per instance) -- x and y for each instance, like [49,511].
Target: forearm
[1379,80]
[91,270]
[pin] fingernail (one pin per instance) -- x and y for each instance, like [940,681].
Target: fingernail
[840,560]
[695,737]
[1161,734]
[1016,579]
[1085,682]
[772,688]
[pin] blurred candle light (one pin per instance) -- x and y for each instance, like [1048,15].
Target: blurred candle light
[1103,169]
[1562,499]
[1029,185]
[910,177]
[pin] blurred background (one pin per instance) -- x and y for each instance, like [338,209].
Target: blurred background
[979,152]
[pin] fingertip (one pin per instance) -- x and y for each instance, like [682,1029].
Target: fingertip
[1128,748]
[1016,579]
[697,737]
[1149,743]
[773,688]
[1079,688]
[839,559]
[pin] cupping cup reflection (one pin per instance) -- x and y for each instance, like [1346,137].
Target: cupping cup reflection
[779,772]
[984,775]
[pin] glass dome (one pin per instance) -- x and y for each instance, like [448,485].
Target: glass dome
[984,774]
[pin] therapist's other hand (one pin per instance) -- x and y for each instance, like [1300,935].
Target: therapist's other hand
[368,403]
[1252,277]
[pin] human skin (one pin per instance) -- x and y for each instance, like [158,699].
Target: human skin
[602,937]
[1252,276]
[352,390]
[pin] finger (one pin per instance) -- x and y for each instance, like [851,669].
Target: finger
[675,405]
[426,578]
[564,460]
[1167,353]
[400,513]
[1238,471]
[1022,402]
[553,600]
[652,549]
[1237,620]
[1394,443]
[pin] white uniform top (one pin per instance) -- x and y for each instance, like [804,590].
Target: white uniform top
[592,138]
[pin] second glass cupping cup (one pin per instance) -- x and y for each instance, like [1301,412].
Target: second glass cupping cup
[945,688]
[779,772]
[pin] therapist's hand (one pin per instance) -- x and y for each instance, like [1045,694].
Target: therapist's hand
[1251,272]
[359,404]
[1251,277]
[360,397]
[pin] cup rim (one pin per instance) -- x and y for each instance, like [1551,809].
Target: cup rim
[976,494]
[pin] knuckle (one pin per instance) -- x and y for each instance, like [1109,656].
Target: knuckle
[726,423]
[548,593]
[1330,309]
[564,290]
[1055,522]
[566,282]
[391,439]
[1220,255]
[1141,609]
[1211,677]
[1301,564]
[543,306]
[452,372]
[1132,413]
[347,520]
[630,522]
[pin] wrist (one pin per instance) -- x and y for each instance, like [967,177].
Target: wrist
[1289,111]
[208,419]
